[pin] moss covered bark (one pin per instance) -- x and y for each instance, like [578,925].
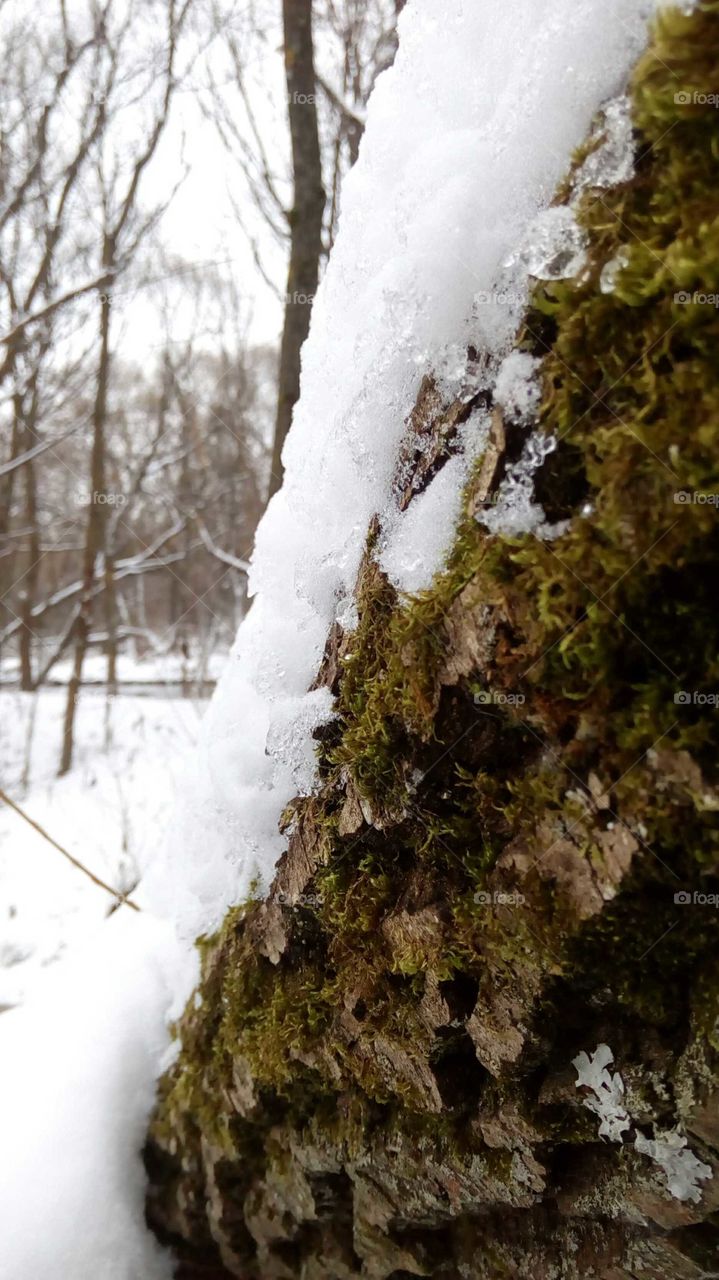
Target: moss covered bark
[377,1079]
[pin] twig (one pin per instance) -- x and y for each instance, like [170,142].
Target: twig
[119,897]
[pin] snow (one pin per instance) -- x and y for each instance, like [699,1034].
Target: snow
[77,1071]
[515,512]
[155,668]
[517,389]
[454,171]
[612,269]
[553,247]
[613,161]
[418,543]
[467,139]
[110,812]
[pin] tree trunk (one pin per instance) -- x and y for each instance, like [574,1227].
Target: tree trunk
[7,492]
[94,535]
[111,624]
[305,217]
[32,573]
[506,880]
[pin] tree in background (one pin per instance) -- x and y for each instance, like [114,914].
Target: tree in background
[118,186]
[111,472]
[305,217]
[332,55]
[114,476]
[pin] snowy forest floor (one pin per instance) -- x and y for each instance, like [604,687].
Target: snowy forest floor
[110,812]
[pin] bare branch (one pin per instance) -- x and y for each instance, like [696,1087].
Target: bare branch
[121,898]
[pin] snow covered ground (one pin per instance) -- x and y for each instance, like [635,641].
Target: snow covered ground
[153,669]
[467,137]
[92,991]
[111,812]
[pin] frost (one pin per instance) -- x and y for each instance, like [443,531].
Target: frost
[554,248]
[607,1101]
[517,389]
[613,161]
[683,1170]
[515,511]
[612,269]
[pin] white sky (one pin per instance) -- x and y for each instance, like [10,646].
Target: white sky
[200,225]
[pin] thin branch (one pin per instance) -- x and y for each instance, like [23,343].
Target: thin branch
[217,552]
[43,445]
[127,567]
[351,112]
[119,897]
[51,307]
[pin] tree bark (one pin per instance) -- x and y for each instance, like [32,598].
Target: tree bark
[305,218]
[509,867]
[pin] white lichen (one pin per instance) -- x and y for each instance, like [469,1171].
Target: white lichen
[668,1149]
[682,1169]
[606,1098]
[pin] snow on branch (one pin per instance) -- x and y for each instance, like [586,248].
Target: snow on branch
[224,556]
[51,307]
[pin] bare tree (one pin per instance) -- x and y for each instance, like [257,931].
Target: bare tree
[354,40]
[120,240]
[41,164]
[305,218]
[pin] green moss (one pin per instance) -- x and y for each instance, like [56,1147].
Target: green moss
[596,631]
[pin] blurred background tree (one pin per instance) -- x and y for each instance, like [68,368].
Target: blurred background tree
[145,396]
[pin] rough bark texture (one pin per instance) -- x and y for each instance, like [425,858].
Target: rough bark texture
[378,1080]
